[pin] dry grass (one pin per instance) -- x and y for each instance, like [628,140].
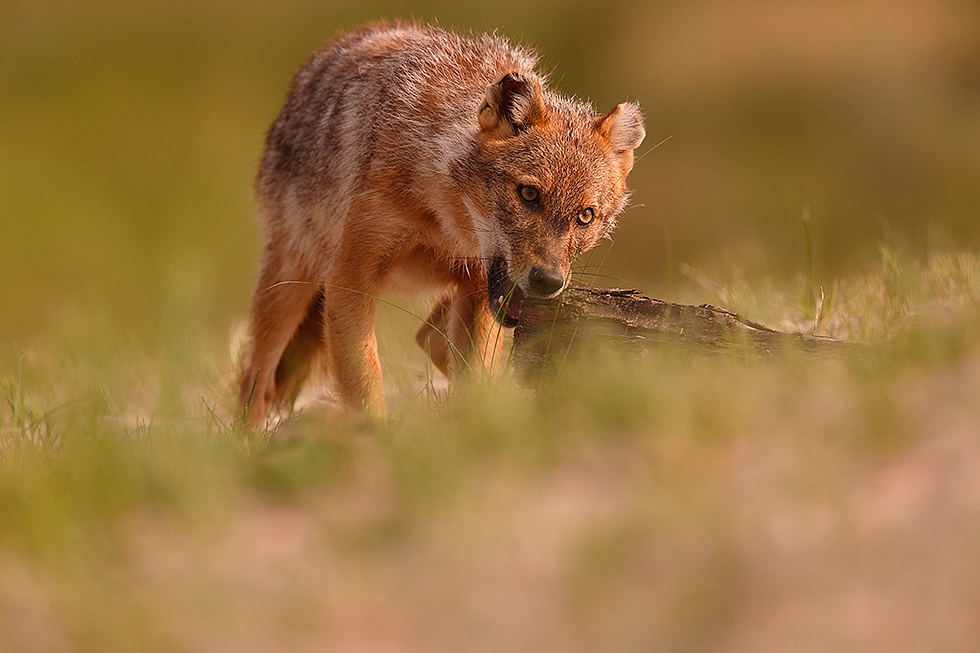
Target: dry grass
[719,504]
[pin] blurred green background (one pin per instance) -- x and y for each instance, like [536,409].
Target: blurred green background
[130,131]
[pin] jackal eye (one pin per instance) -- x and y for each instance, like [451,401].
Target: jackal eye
[528,193]
[585,218]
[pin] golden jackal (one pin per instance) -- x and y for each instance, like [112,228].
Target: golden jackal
[410,159]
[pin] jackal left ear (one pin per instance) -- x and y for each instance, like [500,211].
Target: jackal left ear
[622,127]
[512,105]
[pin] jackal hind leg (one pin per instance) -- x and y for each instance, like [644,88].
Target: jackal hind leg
[304,353]
[280,308]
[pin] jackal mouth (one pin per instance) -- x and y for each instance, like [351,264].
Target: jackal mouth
[505,297]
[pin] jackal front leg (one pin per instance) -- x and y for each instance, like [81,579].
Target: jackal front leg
[460,334]
[348,317]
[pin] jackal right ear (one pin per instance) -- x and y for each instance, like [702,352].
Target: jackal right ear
[512,105]
[623,128]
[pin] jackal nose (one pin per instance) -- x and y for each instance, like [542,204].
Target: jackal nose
[544,281]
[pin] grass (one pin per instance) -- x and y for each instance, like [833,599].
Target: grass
[668,504]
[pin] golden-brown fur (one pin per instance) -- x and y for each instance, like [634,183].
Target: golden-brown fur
[411,159]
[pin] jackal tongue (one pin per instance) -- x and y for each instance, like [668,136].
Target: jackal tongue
[508,301]
[506,298]
[516,304]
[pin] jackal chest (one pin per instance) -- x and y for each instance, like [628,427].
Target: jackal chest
[424,271]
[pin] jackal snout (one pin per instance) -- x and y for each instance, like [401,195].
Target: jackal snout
[545,282]
[506,296]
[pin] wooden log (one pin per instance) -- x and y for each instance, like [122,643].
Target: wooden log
[552,330]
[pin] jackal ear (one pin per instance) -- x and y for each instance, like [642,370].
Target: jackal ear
[512,105]
[622,127]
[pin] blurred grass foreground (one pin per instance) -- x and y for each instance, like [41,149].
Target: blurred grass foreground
[675,503]
[724,503]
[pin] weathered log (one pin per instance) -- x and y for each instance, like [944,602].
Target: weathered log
[552,330]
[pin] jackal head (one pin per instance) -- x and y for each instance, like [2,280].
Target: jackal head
[551,181]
